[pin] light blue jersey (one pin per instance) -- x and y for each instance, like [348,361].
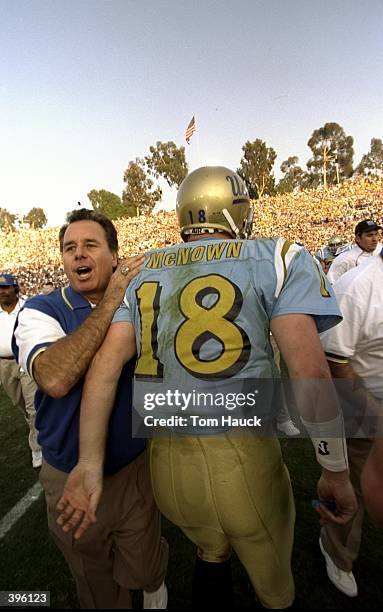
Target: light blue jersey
[202,310]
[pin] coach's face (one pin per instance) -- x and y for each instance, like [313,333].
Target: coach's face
[88,260]
[368,240]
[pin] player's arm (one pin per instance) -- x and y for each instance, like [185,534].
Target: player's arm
[61,365]
[299,343]
[372,482]
[83,488]
[100,388]
[317,402]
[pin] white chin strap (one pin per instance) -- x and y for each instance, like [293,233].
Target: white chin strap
[247,226]
[230,221]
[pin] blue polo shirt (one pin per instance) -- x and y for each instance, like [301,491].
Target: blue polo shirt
[57,420]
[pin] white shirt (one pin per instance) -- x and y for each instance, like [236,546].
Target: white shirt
[359,337]
[350,259]
[7,323]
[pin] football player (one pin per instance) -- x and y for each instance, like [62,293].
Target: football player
[200,314]
[335,245]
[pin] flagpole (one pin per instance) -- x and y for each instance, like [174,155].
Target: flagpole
[198,146]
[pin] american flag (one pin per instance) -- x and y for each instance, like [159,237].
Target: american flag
[191,128]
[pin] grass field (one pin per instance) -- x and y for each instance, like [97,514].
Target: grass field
[30,560]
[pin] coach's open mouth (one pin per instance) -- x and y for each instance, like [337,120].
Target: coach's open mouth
[83,272]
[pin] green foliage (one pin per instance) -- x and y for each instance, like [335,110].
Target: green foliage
[293,175]
[256,168]
[139,195]
[7,220]
[311,180]
[332,151]
[168,161]
[372,162]
[36,218]
[108,203]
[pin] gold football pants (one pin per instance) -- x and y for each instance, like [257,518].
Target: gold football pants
[231,491]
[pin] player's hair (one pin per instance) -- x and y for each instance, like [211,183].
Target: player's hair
[85,214]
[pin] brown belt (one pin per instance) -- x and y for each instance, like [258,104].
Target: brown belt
[7,358]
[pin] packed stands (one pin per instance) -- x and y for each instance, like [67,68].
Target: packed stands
[309,217]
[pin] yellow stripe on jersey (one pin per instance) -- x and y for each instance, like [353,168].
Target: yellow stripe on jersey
[293,249]
[284,253]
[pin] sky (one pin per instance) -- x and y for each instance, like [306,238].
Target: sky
[86,86]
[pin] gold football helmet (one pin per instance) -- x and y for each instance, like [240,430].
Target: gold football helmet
[214,199]
[334,243]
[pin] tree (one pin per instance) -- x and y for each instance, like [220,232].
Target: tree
[139,195]
[310,180]
[7,220]
[36,218]
[372,162]
[332,154]
[293,175]
[168,161]
[256,168]
[108,203]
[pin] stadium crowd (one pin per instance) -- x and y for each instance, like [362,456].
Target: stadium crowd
[309,217]
[312,216]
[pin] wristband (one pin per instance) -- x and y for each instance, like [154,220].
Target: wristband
[329,443]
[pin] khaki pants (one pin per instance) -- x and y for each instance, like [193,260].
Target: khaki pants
[21,390]
[123,550]
[231,491]
[342,542]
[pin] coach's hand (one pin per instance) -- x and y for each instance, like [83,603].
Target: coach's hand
[80,498]
[336,486]
[126,270]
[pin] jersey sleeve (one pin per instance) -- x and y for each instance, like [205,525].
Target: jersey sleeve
[302,288]
[124,313]
[34,332]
